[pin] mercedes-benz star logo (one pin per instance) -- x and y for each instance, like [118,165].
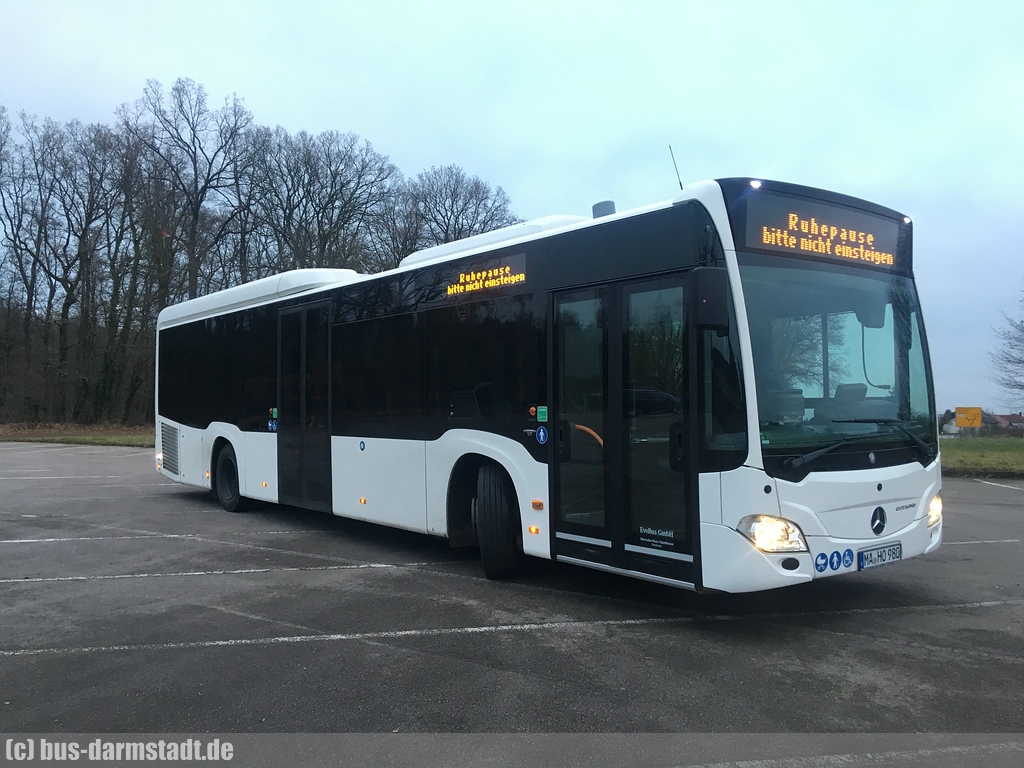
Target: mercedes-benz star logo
[878,521]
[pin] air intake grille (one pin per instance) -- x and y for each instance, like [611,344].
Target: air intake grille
[169,445]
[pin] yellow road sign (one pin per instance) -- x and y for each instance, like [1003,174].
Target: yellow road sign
[968,417]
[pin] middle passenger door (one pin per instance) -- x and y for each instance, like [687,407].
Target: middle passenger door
[622,470]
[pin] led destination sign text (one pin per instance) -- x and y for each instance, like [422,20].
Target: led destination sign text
[795,226]
[485,279]
[830,240]
[489,274]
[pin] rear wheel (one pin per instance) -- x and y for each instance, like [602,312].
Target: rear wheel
[227,481]
[497,523]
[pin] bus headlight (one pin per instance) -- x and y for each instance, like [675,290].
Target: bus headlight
[934,511]
[772,534]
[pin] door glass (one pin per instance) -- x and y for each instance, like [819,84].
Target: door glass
[303,428]
[582,393]
[654,394]
[317,421]
[289,425]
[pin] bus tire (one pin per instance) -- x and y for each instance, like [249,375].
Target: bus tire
[227,490]
[496,523]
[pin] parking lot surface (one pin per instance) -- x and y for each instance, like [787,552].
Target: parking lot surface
[132,604]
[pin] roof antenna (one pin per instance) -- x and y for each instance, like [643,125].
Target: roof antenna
[675,166]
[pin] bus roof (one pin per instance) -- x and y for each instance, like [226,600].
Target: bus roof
[257,292]
[295,282]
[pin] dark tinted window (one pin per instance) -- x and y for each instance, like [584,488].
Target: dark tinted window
[220,369]
[378,376]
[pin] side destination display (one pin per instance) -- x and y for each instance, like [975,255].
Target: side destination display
[792,225]
[488,275]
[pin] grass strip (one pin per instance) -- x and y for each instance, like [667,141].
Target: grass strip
[79,434]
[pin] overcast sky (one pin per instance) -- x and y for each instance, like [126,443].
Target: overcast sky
[915,105]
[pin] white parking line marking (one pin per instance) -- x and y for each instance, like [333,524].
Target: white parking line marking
[383,635]
[234,572]
[196,536]
[207,538]
[69,477]
[849,760]
[256,617]
[992,541]
[1000,485]
[489,629]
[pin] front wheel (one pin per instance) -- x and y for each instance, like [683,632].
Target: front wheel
[227,481]
[497,523]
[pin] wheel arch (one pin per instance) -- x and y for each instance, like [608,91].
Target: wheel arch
[218,445]
[453,462]
[461,496]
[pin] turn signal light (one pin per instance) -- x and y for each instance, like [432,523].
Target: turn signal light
[538,504]
[533,529]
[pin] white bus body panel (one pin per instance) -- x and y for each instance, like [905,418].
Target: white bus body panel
[187,453]
[839,504]
[388,474]
[193,468]
[260,449]
[255,453]
[235,436]
[529,477]
[833,509]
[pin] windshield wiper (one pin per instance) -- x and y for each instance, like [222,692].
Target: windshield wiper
[798,461]
[929,452]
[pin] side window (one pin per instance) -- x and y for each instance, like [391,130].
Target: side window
[920,403]
[378,375]
[723,401]
[484,361]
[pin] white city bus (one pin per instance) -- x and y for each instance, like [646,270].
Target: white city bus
[729,391]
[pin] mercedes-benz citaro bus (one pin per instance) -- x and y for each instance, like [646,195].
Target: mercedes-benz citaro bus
[728,391]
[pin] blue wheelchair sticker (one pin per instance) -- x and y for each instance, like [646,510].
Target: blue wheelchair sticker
[821,562]
[848,558]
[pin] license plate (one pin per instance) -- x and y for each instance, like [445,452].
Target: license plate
[873,558]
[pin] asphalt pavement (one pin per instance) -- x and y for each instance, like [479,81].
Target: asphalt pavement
[131,604]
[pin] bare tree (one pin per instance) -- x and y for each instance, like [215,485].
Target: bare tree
[128,303]
[199,151]
[7,302]
[453,205]
[85,200]
[396,230]
[101,228]
[317,195]
[29,220]
[1008,357]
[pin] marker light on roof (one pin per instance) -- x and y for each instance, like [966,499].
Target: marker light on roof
[906,219]
[755,184]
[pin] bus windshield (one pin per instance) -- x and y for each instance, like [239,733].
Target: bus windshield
[840,366]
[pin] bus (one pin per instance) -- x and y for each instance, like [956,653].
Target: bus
[729,391]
